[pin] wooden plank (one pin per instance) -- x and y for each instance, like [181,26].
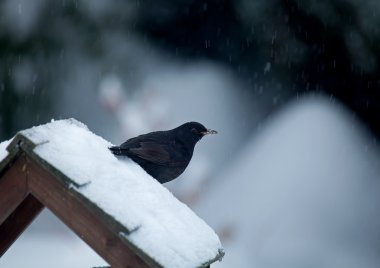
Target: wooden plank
[79,217]
[18,221]
[13,188]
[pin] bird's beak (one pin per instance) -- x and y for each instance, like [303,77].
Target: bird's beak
[209,131]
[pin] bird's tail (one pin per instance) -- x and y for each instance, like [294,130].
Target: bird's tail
[116,150]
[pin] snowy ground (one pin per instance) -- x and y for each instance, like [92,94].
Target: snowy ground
[49,243]
[303,193]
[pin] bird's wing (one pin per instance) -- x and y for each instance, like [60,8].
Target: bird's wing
[152,151]
[153,148]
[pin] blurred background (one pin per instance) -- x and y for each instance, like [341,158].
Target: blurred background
[293,87]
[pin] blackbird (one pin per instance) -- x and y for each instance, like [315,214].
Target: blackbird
[164,154]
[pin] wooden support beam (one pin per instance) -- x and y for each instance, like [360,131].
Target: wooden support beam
[78,216]
[18,221]
[13,188]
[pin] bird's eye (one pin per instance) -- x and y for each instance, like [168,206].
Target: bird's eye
[194,130]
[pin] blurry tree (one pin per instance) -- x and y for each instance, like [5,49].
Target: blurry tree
[26,46]
[281,48]
[35,38]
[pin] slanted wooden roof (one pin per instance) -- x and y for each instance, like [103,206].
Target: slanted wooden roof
[127,217]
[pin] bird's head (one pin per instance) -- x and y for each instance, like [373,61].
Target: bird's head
[193,131]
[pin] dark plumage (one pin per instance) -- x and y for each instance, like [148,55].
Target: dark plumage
[164,154]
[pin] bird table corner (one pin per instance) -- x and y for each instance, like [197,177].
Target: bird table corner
[114,206]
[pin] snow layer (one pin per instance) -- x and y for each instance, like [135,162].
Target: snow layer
[3,149]
[165,228]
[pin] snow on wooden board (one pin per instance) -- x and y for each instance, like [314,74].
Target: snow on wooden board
[160,225]
[3,151]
